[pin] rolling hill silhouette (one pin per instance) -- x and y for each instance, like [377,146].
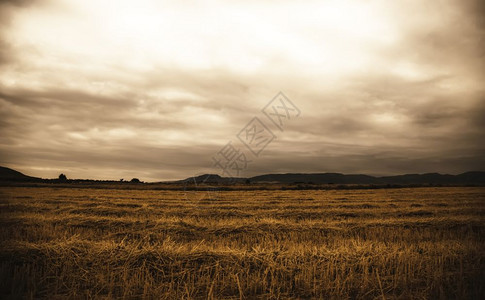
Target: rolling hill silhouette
[475,178]
[337,178]
[7,174]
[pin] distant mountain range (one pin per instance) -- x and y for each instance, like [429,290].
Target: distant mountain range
[337,178]
[473,178]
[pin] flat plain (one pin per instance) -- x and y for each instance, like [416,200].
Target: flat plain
[85,243]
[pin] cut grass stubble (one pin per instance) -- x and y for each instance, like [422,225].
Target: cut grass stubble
[400,243]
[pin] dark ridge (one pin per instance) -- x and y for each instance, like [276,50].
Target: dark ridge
[467,178]
[212,178]
[7,174]
[316,178]
[337,178]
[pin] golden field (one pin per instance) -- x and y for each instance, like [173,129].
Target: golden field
[85,243]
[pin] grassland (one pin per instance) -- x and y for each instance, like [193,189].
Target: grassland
[79,243]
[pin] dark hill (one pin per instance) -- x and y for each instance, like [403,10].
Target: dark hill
[317,178]
[211,178]
[435,178]
[337,178]
[7,174]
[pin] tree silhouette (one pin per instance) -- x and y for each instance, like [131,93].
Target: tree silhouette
[135,180]
[62,177]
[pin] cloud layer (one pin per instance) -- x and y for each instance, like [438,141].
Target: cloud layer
[112,89]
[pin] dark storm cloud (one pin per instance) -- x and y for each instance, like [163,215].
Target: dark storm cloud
[7,7]
[38,126]
[345,121]
[475,9]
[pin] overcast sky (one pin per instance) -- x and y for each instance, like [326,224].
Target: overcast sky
[154,89]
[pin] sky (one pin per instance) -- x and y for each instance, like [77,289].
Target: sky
[161,90]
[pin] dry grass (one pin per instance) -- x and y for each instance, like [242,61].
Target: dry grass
[421,243]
